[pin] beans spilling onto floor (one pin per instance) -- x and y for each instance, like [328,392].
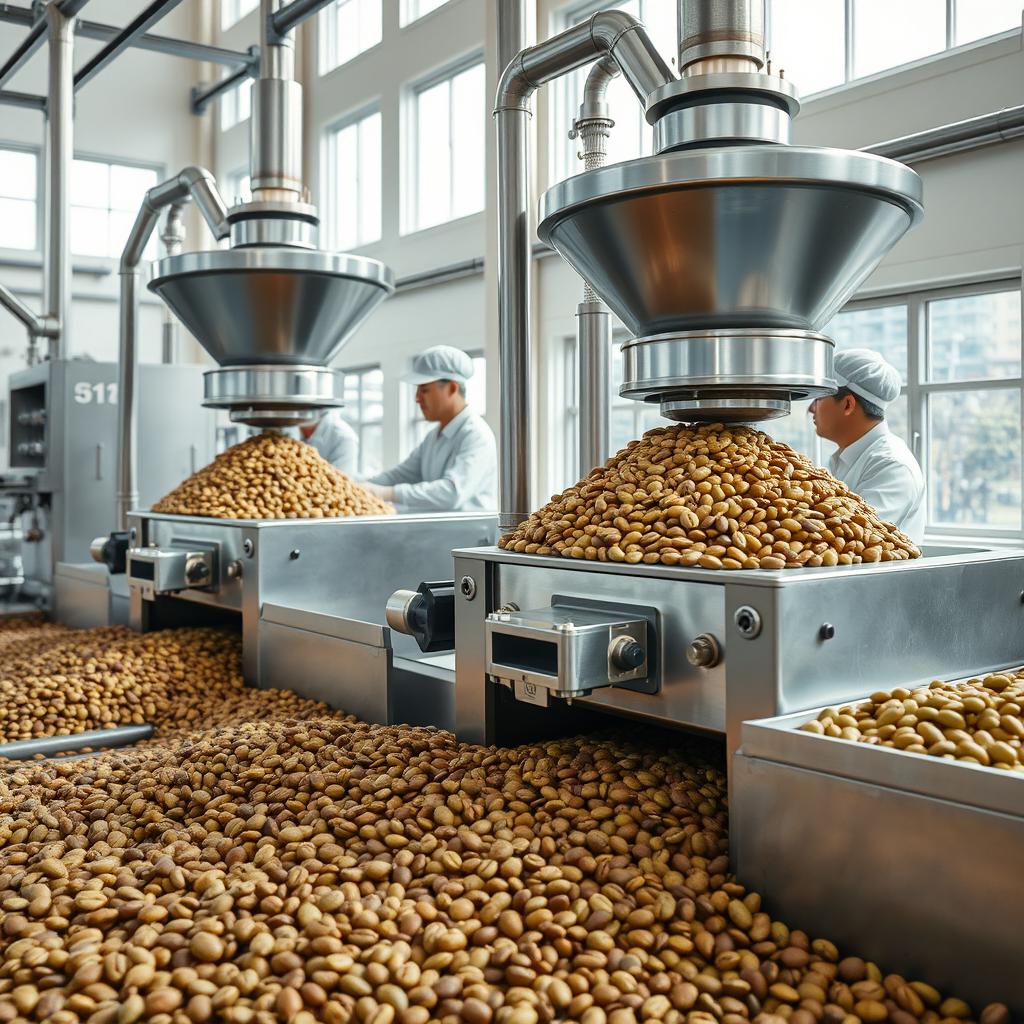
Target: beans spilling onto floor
[56,681]
[715,497]
[271,476]
[327,870]
[980,721]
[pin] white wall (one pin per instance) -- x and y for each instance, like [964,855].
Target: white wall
[137,109]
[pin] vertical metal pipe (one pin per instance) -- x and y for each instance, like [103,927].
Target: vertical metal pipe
[57,171]
[276,124]
[720,35]
[593,319]
[606,33]
[173,239]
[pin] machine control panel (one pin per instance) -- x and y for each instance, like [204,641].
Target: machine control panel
[154,570]
[568,650]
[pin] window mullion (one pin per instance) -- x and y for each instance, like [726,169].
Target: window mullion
[950,24]
[848,49]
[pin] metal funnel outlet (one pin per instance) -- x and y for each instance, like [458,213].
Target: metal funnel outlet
[271,305]
[733,237]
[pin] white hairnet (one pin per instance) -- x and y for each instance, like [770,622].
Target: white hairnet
[867,375]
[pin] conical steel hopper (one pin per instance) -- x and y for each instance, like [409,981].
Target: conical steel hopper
[271,305]
[726,263]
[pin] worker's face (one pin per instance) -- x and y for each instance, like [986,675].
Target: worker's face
[832,415]
[436,399]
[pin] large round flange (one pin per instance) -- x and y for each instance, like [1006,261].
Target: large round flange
[725,85]
[272,396]
[727,375]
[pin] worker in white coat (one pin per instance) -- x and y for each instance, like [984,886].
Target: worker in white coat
[333,437]
[871,461]
[455,467]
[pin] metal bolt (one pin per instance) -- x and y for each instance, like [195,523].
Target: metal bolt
[133,533]
[827,631]
[703,651]
[467,587]
[248,547]
[294,554]
[748,622]
[233,570]
[508,609]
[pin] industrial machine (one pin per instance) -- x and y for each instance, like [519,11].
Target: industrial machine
[724,254]
[273,310]
[63,447]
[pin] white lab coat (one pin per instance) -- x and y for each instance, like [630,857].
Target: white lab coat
[451,470]
[337,442]
[883,471]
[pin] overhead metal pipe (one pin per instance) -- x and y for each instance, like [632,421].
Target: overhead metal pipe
[29,101]
[24,51]
[611,33]
[292,15]
[193,183]
[15,14]
[136,27]
[59,154]
[999,126]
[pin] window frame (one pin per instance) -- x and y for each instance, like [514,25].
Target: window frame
[37,152]
[117,161]
[410,105]
[849,55]
[329,170]
[326,36]
[359,422]
[231,100]
[237,14]
[405,19]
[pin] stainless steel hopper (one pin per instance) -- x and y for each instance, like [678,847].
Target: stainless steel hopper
[273,310]
[726,263]
[725,254]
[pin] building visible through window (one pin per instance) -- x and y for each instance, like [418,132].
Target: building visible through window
[105,200]
[449,127]
[19,199]
[346,29]
[352,158]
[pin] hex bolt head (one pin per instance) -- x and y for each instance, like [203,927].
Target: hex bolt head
[467,587]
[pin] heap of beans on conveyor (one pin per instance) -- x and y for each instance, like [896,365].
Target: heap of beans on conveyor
[271,476]
[264,859]
[712,497]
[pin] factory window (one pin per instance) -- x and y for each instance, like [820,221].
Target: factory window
[346,28]
[448,131]
[959,353]
[238,187]
[631,136]
[352,176]
[232,11]
[19,199]
[413,10]
[236,105]
[830,42]
[105,200]
[628,419]
[364,410]
[476,399]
